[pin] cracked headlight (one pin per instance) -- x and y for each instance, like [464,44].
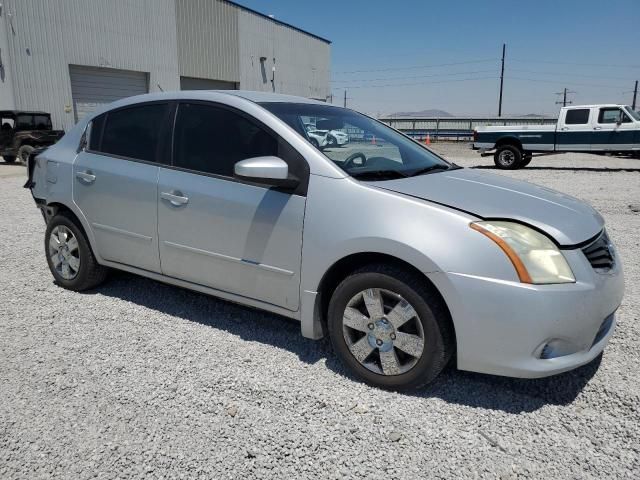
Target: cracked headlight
[535,257]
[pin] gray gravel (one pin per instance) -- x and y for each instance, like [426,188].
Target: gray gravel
[140,379]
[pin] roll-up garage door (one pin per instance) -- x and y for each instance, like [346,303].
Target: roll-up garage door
[92,87]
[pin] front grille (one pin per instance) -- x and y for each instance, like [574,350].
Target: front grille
[600,253]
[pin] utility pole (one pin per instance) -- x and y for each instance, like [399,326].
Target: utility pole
[635,96]
[564,101]
[345,99]
[504,49]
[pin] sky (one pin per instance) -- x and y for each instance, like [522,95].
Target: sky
[409,55]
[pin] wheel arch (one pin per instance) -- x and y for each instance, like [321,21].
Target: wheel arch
[349,263]
[53,208]
[511,141]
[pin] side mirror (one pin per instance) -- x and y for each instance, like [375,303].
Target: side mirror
[267,170]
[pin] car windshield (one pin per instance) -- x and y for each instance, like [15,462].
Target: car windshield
[633,113]
[359,145]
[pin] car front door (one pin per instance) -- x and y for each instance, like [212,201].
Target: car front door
[218,231]
[613,131]
[115,183]
[574,130]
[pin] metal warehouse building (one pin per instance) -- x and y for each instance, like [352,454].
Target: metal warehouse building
[69,56]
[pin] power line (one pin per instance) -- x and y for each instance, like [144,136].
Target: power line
[418,83]
[537,80]
[414,67]
[412,77]
[576,64]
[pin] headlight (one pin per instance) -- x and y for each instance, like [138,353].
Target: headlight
[534,256]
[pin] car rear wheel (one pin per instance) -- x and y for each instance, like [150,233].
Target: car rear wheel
[331,141]
[526,160]
[389,328]
[507,157]
[9,159]
[69,255]
[24,152]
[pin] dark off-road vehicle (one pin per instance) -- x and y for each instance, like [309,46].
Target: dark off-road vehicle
[22,132]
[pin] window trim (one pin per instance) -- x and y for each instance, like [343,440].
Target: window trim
[575,110]
[160,157]
[300,190]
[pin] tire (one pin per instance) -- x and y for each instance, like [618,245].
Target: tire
[331,141]
[88,273]
[526,160]
[430,324]
[23,153]
[507,157]
[9,159]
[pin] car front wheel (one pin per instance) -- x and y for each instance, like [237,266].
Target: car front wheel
[389,328]
[9,159]
[69,255]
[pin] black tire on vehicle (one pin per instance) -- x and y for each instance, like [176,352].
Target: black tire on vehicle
[507,157]
[9,159]
[331,141]
[431,322]
[89,273]
[24,152]
[526,160]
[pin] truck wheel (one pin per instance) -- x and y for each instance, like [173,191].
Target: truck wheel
[507,157]
[9,159]
[24,152]
[526,160]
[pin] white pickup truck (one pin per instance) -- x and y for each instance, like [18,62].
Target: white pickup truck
[585,128]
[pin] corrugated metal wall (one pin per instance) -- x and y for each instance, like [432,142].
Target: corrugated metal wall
[208,39]
[166,39]
[47,36]
[302,61]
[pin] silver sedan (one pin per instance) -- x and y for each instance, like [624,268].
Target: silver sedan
[405,260]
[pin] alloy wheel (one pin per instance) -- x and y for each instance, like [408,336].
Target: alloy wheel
[64,252]
[383,331]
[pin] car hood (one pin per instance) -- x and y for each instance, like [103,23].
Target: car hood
[566,219]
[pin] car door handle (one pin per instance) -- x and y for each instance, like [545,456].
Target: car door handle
[175,198]
[87,176]
[597,128]
[564,129]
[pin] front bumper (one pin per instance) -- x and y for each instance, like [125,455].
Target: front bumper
[503,326]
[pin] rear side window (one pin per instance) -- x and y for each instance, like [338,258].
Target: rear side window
[210,139]
[578,116]
[133,132]
[95,131]
[612,115]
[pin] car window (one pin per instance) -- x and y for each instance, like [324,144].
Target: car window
[578,116]
[133,132]
[211,139]
[612,115]
[94,130]
[635,114]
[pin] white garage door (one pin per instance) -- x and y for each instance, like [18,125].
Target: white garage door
[92,87]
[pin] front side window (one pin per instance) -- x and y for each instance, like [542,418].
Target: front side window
[359,145]
[612,115]
[211,139]
[578,116]
[132,132]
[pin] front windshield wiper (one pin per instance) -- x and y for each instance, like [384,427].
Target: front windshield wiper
[378,174]
[433,168]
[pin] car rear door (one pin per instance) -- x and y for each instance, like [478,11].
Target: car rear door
[574,130]
[218,231]
[115,182]
[614,130]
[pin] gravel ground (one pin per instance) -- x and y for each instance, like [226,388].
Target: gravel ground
[140,379]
